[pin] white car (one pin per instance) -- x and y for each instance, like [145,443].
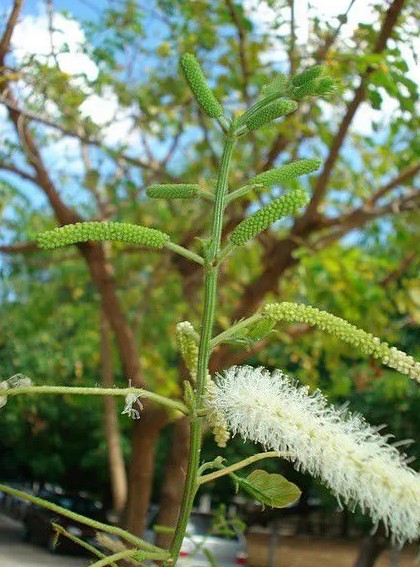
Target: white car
[206,547]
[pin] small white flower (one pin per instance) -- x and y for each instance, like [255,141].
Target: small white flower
[341,449]
[130,401]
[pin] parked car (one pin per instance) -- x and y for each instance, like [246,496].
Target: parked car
[37,521]
[204,544]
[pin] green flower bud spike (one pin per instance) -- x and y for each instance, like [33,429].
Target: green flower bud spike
[345,331]
[187,343]
[286,205]
[307,76]
[173,191]
[100,231]
[286,172]
[199,87]
[270,112]
[319,87]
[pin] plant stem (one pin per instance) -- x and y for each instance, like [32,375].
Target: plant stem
[83,391]
[234,329]
[242,191]
[184,252]
[82,519]
[60,530]
[210,288]
[236,466]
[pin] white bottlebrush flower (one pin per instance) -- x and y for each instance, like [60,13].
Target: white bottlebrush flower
[339,448]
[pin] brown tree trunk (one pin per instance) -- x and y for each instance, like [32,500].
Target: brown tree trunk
[174,480]
[144,440]
[117,472]
[370,550]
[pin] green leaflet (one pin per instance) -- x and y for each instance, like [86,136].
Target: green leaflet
[199,87]
[307,76]
[271,489]
[100,231]
[262,219]
[286,172]
[270,112]
[173,191]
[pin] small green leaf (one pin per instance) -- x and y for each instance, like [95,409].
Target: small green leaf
[261,328]
[271,489]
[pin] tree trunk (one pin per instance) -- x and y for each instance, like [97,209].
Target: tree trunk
[174,480]
[117,472]
[370,550]
[144,439]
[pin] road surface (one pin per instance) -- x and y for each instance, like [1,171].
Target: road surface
[15,553]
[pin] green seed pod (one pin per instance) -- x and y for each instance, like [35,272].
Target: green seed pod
[270,112]
[173,191]
[307,76]
[286,172]
[286,205]
[319,87]
[199,87]
[99,231]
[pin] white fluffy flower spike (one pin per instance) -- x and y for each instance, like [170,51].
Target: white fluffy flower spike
[339,448]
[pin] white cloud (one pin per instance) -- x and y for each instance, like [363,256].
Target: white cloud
[32,37]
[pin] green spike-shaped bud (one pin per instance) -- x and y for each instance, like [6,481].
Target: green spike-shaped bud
[286,205]
[277,85]
[199,87]
[319,87]
[270,112]
[100,231]
[173,191]
[286,172]
[307,76]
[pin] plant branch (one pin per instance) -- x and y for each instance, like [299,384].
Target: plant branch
[60,530]
[237,466]
[81,519]
[185,252]
[86,391]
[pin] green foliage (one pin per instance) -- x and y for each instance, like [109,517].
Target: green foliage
[271,489]
[307,76]
[199,87]
[257,222]
[100,231]
[173,191]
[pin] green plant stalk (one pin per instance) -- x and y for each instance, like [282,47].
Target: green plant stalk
[237,466]
[184,252]
[242,191]
[110,559]
[210,288]
[60,530]
[240,326]
[83,519]
[83,391]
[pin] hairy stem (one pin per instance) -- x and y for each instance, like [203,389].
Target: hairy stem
[184,252]
[237,466]
[240,326]
[60,530]
[210,288]
[83,391]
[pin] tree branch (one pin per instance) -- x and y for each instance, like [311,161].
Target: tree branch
[11,168]
[243,48]
[323,179]
[10,26]
[19,248]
